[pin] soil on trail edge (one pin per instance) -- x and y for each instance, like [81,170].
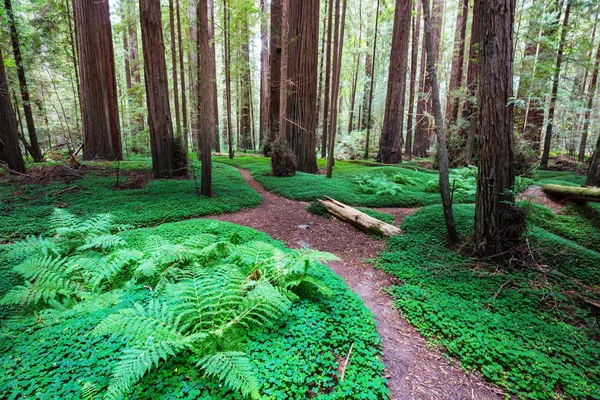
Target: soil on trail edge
[413,370]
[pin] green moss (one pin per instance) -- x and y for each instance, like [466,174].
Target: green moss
[522,329]
[566,178]
[25,208]
[590,192]
[57,356]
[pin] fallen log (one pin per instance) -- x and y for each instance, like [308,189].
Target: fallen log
[574,193]
[358,219]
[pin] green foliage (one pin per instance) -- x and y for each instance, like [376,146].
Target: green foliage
[25,208]
[208,328]
[565,178]
[463,181]
[524,330]
[355,183]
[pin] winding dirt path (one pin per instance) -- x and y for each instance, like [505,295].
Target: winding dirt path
[414,371]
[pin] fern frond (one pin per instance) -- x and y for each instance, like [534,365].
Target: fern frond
[32,245]
[200,241]
[102,242]
[89,391]
[100,224]
[31,268]
[254,253]
[61,218]
[112,265]
[18,295]
[234,369]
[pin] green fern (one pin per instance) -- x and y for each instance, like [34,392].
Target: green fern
[234,369]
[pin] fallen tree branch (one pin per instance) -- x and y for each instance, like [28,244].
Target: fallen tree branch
[346,360]
[574,193]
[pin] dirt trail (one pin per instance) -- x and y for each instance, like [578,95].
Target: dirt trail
[414,371]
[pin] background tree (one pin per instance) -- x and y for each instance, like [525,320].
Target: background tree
[10,152]
[99,105]
[590,104]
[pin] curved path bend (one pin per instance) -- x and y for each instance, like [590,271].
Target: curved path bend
[413,369]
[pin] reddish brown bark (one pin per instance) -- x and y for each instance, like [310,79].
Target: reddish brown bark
[227,56]
[264,75]
[590,104]
[10,152]
[416,27]
[99,105]
[469,110]
[211,42]
[390,143]
[458,58]
[182,73]
[328,61]
[275,74]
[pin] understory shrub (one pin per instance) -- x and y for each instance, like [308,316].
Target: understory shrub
[523,329]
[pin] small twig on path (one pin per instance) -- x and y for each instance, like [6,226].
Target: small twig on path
[66,190]
[346,361]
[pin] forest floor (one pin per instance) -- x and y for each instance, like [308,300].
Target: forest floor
[414,370]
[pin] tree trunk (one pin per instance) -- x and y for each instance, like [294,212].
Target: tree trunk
[593,176]
[556,81]
[36,152]
[416,27]
[355,78]
[227,56]
[458,58]
[264,75]
[99,107]
[10,152]
[368,120]
[590,104]
[193,72]
[368,77]
[185,138]
[245,96]
[497,226]
[275,75]
[72,43]
[470,108]
[444,181]
[302,67]
[157,90]
[338,46]
[390,143]
[358,219]
[328,61]
[321,72]
[211,42]
[174,68]
[206,121]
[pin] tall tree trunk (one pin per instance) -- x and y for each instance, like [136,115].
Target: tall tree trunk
[264,75]
[458,58]
[10,152]
[70,22]
[355,78]
[469,112]
[497,225]
[416,27]
[419,149]
[590,104]
[390,143]
[368,120]
[211,42]
[182,71]
[593,176]
[302,68]
[245,96]
[338,46]
[36,152]
[275,81]
[193,72]
[556,81]
[328,61]
[424,131]
[227,56]
[205,97]
[322,71]
[368,77]
[99,107]
[284,40]
[444,180]
[157,90]
[174,74]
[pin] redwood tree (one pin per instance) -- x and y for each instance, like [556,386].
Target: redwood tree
[10,152]
[590,104]
[34,146]
[99,105]
[275,74]
[458,58]
[157,90]
[497,225]
[264,75]
[302,68]
[390,143]
[416,27]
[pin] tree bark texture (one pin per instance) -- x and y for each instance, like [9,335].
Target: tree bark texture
[275,74]
[36,152]
[10,152]
[99,105]
[227,56]
[496,227]
[184,110]
[211,42]
[368,120]
[469,115]
[301,117]
[458,58]
[328,61]
[416,27]
[157,90]
[263,128]
[590,104]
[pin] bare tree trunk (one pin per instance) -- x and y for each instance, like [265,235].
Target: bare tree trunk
[590,104]
[211,42]
[10,152]
[245,96]
[174,69]
[264,75]
[72,43]
[321,72]
[497,223]
[182,71]
[439,127]
[338,46]
[157,90]
[368,77]
[99,107]
[355,78]
[328,61]
[390,143]
[275,83]
[227,56]
[556,81]
[302,68]
[193,72]
[284,39]
[368,121]
[469,112]
[36,152]
[416,27]
[205,97]
[458,58]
